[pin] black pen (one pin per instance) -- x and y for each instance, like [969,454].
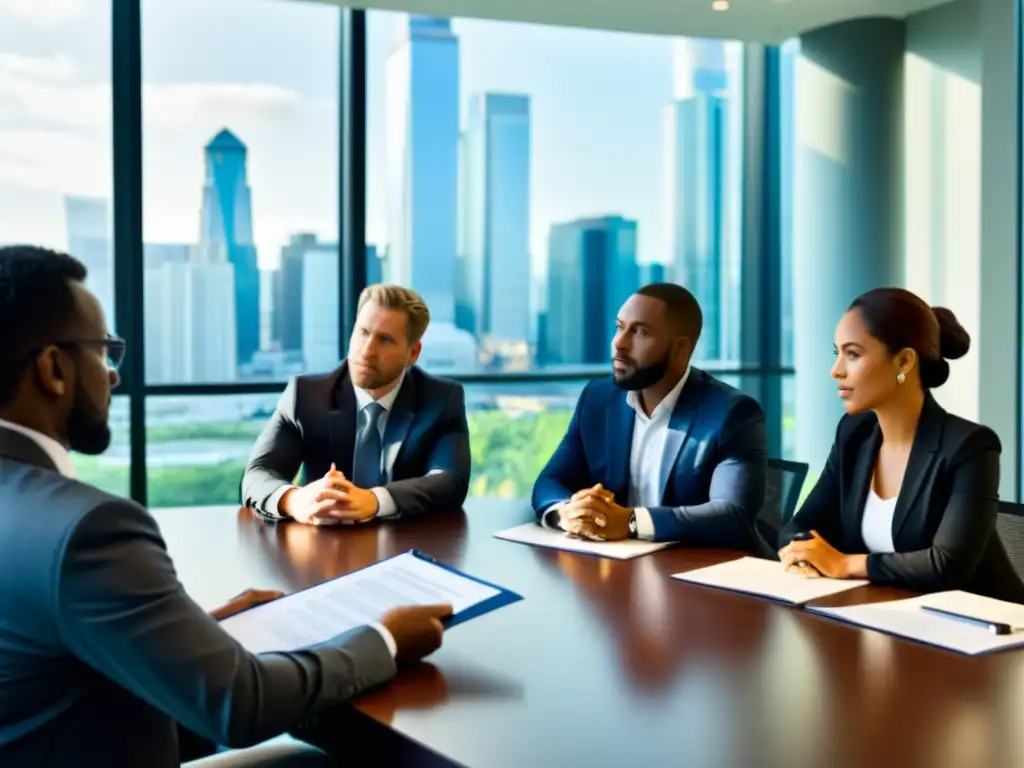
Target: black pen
[995,627]
[802,536]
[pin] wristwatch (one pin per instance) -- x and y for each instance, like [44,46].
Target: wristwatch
[632,524]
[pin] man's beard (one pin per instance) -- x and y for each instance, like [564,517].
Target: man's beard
[642,378]
[87,431]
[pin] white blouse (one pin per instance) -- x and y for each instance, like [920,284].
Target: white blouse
[876,526]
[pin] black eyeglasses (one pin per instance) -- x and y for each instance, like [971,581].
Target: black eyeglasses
[115,348]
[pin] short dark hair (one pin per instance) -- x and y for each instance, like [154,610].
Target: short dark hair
[680,305]
[36,305]
[903,320]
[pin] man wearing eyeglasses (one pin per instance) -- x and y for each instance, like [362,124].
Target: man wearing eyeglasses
[102,653]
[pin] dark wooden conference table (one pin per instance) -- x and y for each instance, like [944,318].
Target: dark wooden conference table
[611,663]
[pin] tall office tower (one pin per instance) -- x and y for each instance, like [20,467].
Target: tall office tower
[654,272]
[422,135]
[190,323]
[226,233]
[155,255]
[592,270]
[90,240]
[701,232]
[288,301]
[374,265]
[321,324]
[496,215]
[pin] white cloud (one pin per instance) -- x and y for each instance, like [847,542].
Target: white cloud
[187,103]
[55,140]
[46,68]
[42,12]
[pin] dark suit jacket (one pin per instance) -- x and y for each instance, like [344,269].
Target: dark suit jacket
[944,522]
[102,653]
[315,425]
[715,460]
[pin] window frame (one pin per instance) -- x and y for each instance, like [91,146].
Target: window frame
[761,347]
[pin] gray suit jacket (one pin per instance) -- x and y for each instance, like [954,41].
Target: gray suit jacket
[315,424]
[102,653]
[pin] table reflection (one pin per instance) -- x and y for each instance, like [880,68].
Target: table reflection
[302,555]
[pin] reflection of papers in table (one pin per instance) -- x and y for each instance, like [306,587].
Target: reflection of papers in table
[538,536]
[766,578]
[327,610]
[906,619]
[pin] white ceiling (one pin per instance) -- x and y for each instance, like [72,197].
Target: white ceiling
[765,21]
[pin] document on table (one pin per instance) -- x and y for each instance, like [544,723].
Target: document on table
[766,578]
[327,610]
[907,618]
[550,538]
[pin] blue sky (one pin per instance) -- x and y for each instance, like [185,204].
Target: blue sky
[268,70]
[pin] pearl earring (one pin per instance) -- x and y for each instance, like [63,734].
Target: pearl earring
[901,377]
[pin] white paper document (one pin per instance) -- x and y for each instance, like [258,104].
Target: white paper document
[317,614]
[550,538]
[766,578]
[906,618]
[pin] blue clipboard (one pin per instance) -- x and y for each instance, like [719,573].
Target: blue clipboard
[500,600]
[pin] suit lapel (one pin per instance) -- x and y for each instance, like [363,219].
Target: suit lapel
[620,438]
[399,420]
[679,428]
[863,470]
[341,422]
[23,449]
[922,454]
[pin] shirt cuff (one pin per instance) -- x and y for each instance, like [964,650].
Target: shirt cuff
[386,506]
[549,519]
[644,524]
[273,502]
[388,638]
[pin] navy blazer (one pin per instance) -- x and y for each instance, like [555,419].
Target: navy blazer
[715,460]
[944,522]
[315,424]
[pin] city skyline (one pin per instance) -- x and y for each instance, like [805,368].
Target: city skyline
[286,112]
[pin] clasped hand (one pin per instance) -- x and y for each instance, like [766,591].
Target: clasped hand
[330,500]
[593,514]
[813,558]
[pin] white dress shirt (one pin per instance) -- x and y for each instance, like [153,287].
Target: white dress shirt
[58,453]
[876,524]
[62,460]
[646,482]
[385,503]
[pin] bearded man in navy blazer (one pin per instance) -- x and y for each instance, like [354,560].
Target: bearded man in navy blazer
[376,438]
[660,450]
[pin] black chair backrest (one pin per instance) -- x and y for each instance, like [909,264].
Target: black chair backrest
[783,484]
[1010,527]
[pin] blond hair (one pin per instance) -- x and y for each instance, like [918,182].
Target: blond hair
[396,297]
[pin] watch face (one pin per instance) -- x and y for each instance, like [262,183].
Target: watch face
[632,523]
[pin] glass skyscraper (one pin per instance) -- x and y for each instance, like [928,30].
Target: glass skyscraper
[592,270]
[226,233]
[495,216]
[422,134]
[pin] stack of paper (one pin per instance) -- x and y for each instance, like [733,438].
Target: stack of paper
[538,536]
[908,618]
[766,578]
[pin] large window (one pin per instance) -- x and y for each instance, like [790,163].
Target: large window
[55,155]
[197,446]
[526,180]
[240,162]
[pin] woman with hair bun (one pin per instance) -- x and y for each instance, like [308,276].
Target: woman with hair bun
[909,493]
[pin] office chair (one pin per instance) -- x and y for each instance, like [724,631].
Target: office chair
[1010,527]
[783,484]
